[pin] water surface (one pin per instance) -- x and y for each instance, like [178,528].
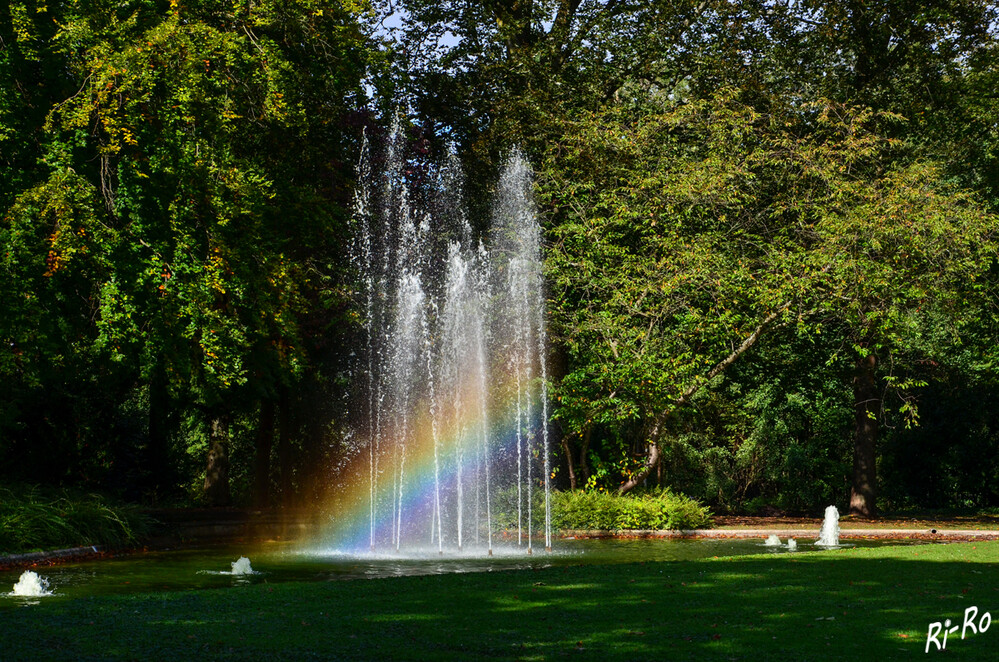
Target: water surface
[211,567]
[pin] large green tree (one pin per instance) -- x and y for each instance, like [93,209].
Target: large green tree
[686,235]
[198,162]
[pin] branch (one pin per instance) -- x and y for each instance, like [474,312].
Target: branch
[650,463]
[739,351]
[609,9]
[730,359]
[614,85]
[653,457]
[561,27]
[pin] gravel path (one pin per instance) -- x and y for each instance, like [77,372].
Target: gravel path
[947,535]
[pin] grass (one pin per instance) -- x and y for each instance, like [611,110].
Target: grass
[32,518]
[850,604]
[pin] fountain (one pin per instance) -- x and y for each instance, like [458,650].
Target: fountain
[792,545]
[31,585]
[241,566]
[772,541]
[241,570]
[829,534]
[453,376]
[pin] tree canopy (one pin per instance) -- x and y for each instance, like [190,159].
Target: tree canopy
[770,234]
[176,236]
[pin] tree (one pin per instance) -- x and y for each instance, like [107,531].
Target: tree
[204,144]
[687,234]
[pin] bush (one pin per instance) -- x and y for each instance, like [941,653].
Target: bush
[31,518]
[659,509]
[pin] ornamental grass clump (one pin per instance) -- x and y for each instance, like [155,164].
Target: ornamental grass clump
[32,518]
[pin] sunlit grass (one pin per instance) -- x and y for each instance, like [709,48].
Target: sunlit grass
[850,604]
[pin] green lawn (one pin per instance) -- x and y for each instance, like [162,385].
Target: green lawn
[850,604]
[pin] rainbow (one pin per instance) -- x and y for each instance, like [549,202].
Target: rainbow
[353,525]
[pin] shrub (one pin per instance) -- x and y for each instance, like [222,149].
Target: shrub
[659,509]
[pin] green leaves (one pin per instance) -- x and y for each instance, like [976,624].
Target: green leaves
[688,232]
[188,117]
[177,207]
[33,518]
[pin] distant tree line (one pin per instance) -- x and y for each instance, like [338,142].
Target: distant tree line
[771,236]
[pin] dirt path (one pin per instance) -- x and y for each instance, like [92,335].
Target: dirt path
[951,529]
[943,535]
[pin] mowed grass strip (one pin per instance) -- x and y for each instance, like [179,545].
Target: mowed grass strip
[849,604]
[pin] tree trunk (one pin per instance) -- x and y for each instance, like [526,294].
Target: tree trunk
[651,462]
[584,468]
[863,494]
[284,449]
[158,444]
[217,473]
[569,462]
[262,459]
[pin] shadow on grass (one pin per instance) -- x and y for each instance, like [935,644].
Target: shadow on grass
[851,604]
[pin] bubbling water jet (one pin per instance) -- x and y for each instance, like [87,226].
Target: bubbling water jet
[30,585]
[241,566]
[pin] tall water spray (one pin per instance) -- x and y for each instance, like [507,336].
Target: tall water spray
[829,534]
[454,373]
[517,243]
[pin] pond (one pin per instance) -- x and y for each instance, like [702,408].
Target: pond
[212,567]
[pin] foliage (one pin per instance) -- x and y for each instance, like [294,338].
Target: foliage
[765,438]
[653,510]
[736,195]
[177,223]
[33,518]
[688,234]
[848,116]
[600,510]
[947,460]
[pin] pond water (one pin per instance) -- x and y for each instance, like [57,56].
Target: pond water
[213,567]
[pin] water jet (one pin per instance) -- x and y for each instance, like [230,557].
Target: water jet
[453,377]
[31,585]
[829,534]
[241,566]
